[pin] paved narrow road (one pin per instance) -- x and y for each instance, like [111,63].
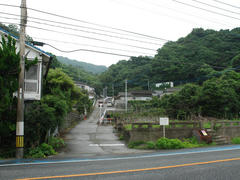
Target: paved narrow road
[88,139]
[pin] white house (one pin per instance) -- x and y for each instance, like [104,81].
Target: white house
[169,84]
[35,74]
[90,90]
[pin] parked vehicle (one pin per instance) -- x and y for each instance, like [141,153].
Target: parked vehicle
[109,104]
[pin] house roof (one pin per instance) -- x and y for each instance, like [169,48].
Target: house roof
[26,43]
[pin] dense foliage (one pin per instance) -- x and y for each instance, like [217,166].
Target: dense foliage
[44,116]
[9,69]
[201,55]
[91,68]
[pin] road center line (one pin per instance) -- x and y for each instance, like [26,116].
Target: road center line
[132,170]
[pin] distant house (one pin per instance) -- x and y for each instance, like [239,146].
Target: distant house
[136,95]
[164,84]
[90,90]
[34,76]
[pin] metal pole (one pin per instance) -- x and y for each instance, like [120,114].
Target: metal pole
[20,105]
[126,101]
[164,131]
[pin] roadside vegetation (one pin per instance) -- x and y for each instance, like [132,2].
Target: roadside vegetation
[59,96]
[165,143]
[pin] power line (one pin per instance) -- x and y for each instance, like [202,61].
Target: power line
[174,9]
[215,7]
[84,27]
[87,22]
[67,42]
[96,39]
[227,4]
[64,27]
[210,11]
[86,37]
[88,50]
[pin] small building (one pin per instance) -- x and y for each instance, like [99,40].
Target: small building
[136,95]
[36,73]
[90,90]
[164,85]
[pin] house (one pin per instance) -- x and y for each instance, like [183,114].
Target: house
[90,90]
[164,85]
[36,73]
[136,95]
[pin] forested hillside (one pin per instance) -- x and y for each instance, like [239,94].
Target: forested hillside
[195,58]
[77,73]
[95,69]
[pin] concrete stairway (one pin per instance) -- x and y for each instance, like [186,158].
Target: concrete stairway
[219,139]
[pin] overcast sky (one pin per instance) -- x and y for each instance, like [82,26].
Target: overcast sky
[167,19]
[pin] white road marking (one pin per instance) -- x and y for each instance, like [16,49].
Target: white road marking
[105,145]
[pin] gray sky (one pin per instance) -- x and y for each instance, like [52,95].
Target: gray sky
[166,19]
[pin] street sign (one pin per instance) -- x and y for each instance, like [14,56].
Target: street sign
[164,121]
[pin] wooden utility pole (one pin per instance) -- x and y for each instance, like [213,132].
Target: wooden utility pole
[20,106]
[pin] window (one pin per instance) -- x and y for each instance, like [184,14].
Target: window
[32,79]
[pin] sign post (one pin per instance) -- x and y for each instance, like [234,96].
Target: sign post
[164,121]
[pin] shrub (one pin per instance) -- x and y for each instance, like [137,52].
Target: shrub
[36,153]
[236,140]
[47,149]
[41,151]
[150,145]
[56,142]
[165,143]
[135,144]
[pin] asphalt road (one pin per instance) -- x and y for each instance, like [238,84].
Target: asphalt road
[95,152]
[221,163]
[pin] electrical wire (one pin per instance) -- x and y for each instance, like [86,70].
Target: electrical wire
[226,4]
[183,12]
[88,50]
[203,9]
[215,7]
[115,49]
[87,22]
[84,27]
[64,27]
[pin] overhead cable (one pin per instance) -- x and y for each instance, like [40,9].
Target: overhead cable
[102,47]
[207,10]
[216,7]
[80,26]
[86,37]
[87,22]
[88,50]
[238,7]
[184,12]
[91,32]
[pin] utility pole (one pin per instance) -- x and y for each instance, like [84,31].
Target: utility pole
[20,105]
[148,84]
[126,101]
[113,90]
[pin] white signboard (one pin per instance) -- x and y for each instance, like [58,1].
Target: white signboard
[164,121]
